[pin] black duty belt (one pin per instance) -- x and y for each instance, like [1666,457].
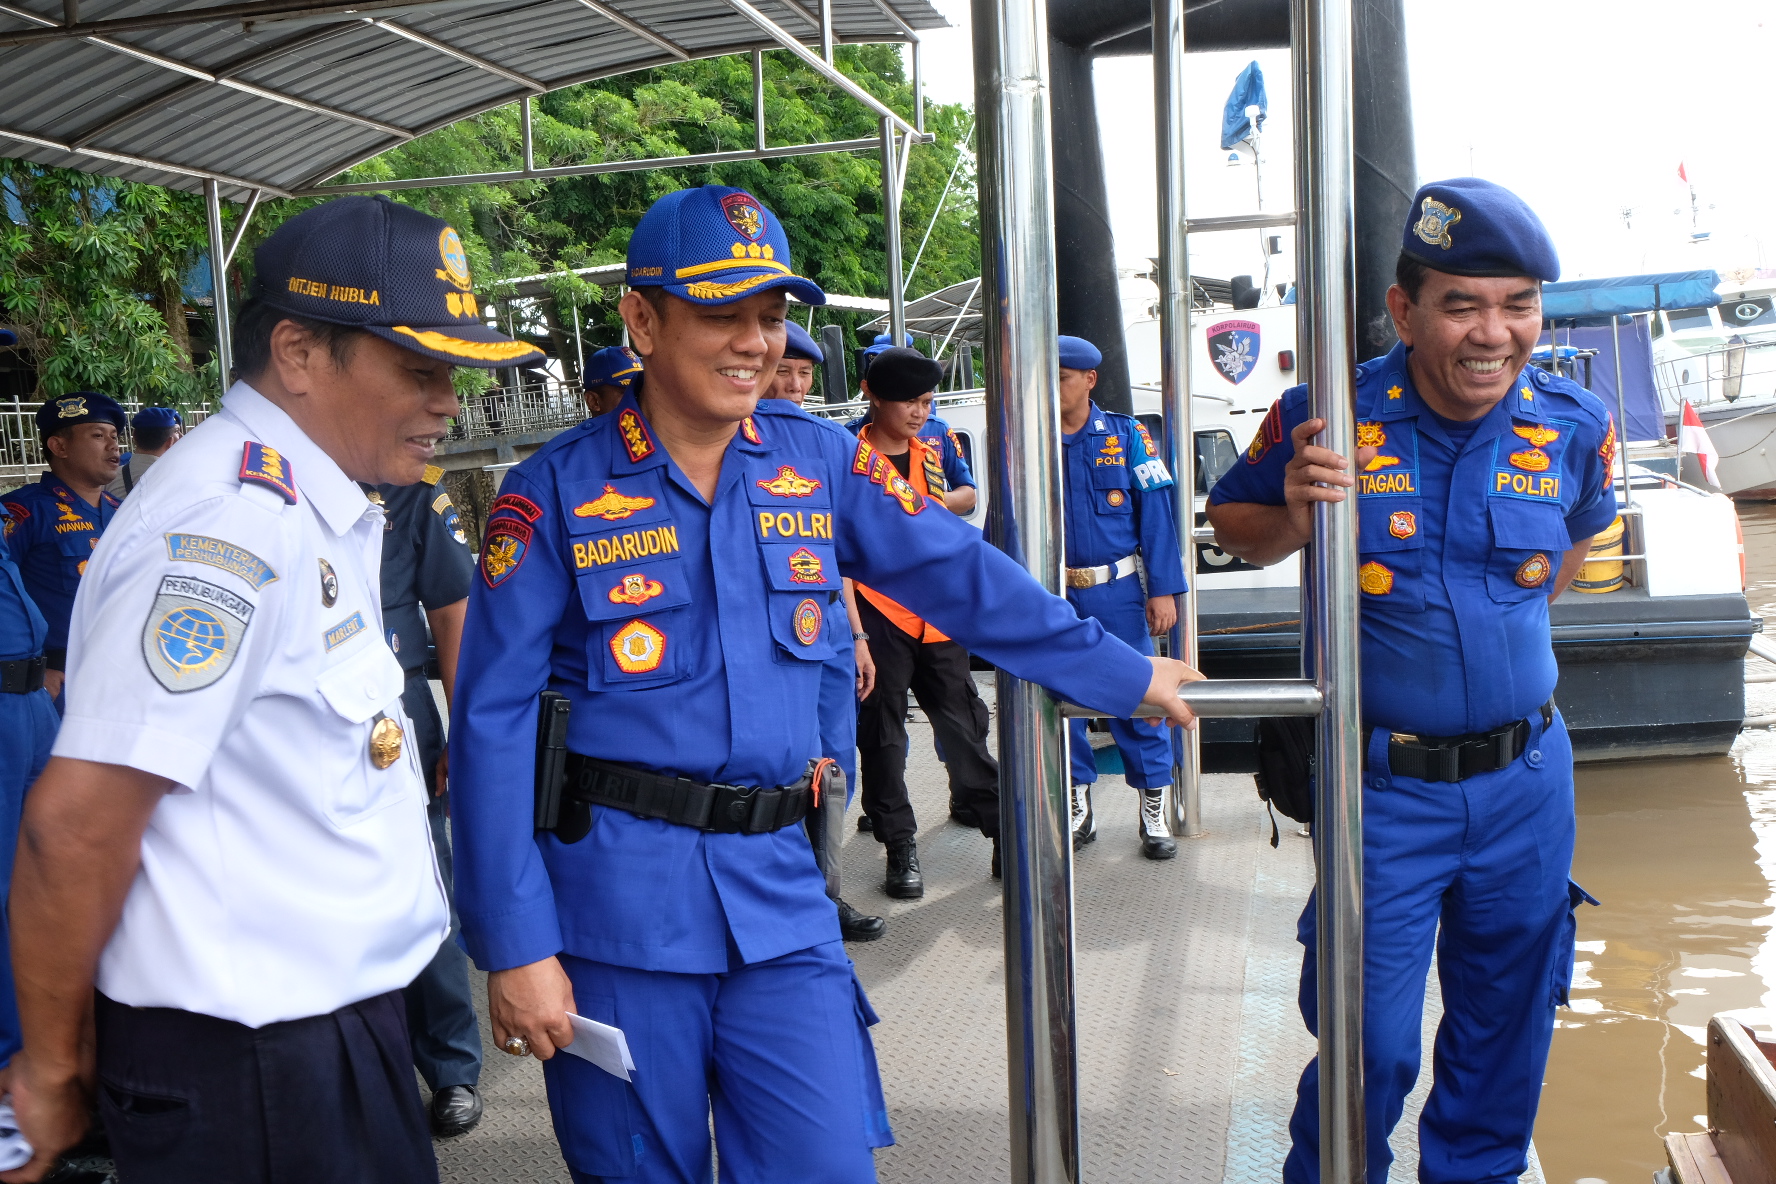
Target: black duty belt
[57,658]
[719,809]
[1456,758]
[22,676]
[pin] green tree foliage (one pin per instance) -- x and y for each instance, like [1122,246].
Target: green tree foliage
[89,278]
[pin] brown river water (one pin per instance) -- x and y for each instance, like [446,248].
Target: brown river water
[1682,853]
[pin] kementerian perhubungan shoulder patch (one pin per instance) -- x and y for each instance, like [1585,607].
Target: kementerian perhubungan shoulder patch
[265,466]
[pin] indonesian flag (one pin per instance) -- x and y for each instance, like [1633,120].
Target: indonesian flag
[1692,440]
[1681,174]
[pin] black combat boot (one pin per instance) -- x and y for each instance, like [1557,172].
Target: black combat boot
[1085,827]
[864,825]
[857,927]
[904,880]
[1156,836]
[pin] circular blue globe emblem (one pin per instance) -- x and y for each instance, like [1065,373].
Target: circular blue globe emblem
[455,259]
[191,639]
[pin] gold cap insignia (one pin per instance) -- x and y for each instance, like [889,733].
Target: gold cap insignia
[1434,222]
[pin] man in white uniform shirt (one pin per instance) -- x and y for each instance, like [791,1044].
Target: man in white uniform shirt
[230,841]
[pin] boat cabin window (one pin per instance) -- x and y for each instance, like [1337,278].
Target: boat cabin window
[1689,318]
[1748,311]
[1215,454]
[1658,323]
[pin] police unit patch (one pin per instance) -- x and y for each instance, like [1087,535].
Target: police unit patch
[329,585]
[902,491]
[805,567]
[193,632]
[1270,433]
[745,215]
[612,506]
[1146,438]
[1534,571]
[638,648]
[503,552]
[808,620]
[636,440]
[635,589]
[517,504]
[343,632]
[200,548]
[453,524]
[1435,220]
[1606,452]
[1370,434]
[265,466]
[1375,579]
[789,483]
[864,460]
[1402,524]
[1233,347]
[1115,497]
[70,408]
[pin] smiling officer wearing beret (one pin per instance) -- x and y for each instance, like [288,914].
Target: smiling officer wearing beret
[230,842]
[669,569]
[1480,482]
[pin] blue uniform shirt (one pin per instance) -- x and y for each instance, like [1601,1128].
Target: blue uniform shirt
[689,637]
[937,433]
[52,535]
[1459,548]
[22,628]
[1119,500]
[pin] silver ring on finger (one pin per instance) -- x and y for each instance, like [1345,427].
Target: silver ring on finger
[518,1046]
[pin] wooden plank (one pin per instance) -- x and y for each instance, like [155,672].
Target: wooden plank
[1694,1160]
[1741,1102]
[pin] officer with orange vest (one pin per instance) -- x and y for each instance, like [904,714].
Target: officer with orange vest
[913,655]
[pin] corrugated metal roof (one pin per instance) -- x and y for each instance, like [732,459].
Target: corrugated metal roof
[283,104]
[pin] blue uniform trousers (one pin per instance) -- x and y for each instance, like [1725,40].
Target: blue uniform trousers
[780,1050]
[440,1009]
[1145,744]
[29,723]
[1488,858]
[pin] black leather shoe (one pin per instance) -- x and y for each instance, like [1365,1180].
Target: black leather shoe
[904,882]
[864,825]
[455,1110]
[855,926]
[1156,838]
[995,868]
[962,814]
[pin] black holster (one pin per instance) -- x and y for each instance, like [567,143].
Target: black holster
[569,819]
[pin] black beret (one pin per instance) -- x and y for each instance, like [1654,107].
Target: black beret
[900,375]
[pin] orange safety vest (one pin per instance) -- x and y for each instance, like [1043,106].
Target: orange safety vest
[925,474]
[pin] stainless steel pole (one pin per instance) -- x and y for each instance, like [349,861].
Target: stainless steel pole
[891,233]
[1621,416]
[1016,184]
[918,85]
[579,348]
[1184,810]
[219,284]
[1327,316]
[826,31]
[526,135]
[758,99]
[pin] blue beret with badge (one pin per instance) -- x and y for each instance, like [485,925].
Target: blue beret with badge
[714,245]
[615,365]
[78,407]
[388,269]
[156,417]
[800,345]
[1466,226]
[1079,354]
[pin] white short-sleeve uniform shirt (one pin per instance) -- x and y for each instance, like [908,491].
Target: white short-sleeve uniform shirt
[231,640]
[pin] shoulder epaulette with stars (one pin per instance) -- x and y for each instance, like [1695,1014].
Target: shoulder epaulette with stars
[265,466]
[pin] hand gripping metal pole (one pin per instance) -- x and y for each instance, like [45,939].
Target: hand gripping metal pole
[1326,310]
[1184,807]
[219,283]
[1016,185]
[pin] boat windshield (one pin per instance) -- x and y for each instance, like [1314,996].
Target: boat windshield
[1689,318]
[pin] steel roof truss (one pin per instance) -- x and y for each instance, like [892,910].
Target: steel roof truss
[144,162]
[637,28]
[461,55]
[253,10]
[820,66]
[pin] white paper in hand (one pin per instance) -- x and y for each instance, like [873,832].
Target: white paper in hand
[601,1044]
[15,1151]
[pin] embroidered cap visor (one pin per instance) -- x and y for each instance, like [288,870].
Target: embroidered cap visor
[726,284]
[480,346]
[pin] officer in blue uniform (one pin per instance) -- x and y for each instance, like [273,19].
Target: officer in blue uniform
[1118,505]
[1480,482]
[962,497]
[669,569]
[427,568]
[153,430]
[56,523]
[28,720]
[609,373]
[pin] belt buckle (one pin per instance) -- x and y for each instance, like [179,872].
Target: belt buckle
[1402,738]
[731,808]
[1080,577]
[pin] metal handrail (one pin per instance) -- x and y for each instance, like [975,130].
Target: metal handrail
[1232,698]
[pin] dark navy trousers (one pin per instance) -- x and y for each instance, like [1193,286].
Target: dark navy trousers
[1477,870]
[1146,744]
[440,1009]
[779,1051]
[28,724]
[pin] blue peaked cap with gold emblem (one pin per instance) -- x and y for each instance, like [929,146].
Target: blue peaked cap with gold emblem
[714,245]
[78,407]
[1466,226]
[388,269]
[615,365]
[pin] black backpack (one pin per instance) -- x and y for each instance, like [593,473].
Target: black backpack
[1285,755]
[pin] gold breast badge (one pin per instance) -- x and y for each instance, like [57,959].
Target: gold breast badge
[385,742]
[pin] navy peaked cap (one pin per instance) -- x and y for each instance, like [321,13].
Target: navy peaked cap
[801,345]
[1079,354]
[79,407]
[901,375]
[156,417]
[388,269]
[1466,226]
[714,245]
[8,337]
[615,365]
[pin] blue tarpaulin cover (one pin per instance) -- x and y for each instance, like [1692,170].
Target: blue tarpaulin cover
[1640,396]
[1602,298]
[1248,91]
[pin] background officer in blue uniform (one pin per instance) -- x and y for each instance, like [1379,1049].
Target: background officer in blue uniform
[1118,504]
[961,497]
[427,568]
[28,722]
[153,430]
[1480,482]
[56,523]
[609,372]
[668,568]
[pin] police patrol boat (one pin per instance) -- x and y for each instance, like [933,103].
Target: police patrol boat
[1721,359]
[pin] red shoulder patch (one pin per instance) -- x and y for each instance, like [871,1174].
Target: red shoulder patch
[16,510]
[749,429]
[1607,452]
[861,462]
[522,506]
[636,440]
[1270,433]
